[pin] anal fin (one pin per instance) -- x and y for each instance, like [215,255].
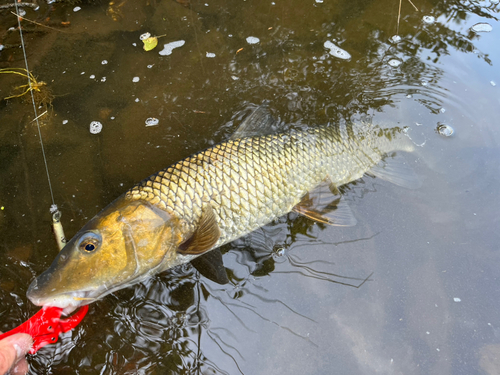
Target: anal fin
[210,265]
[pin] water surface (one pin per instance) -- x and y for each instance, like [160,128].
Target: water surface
[431,303]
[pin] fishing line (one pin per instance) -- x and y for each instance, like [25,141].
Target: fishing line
[56,215]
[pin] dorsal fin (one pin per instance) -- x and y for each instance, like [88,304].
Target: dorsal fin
[324,206]
[205,235]
[259,122]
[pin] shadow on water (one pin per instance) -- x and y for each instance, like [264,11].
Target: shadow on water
[303,298]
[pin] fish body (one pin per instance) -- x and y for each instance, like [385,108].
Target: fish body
[212,198]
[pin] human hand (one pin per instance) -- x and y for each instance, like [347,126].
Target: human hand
[12,352]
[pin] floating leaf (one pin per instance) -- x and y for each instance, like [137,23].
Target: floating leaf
[150,43]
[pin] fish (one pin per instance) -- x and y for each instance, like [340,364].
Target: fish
[185,212]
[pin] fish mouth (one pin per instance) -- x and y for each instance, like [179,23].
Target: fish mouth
[69,302]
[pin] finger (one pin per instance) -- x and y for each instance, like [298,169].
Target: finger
[12,349]
[20,368]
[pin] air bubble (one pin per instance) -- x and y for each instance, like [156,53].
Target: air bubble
[252,40]
[394,63]
[395,39]
[210,54]
[145,36]
[444,130]
[482,27]
[135,79]
[167,48]
[95,127]
[429,20]
[336,51]
[151,121]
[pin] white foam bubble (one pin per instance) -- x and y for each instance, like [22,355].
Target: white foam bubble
[152,121]
[135,79]
[167,48]
[429,20]
[145,36]
[76,9]
[104,62]
[253,40]
[394,63]
[95,127]
[210,54]
[336,51]
[482,27]
[395,39]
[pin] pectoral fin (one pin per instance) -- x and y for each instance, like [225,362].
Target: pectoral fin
[396,169]
[323,206]
[204,237]
[211,266]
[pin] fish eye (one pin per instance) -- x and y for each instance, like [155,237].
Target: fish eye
[90,242]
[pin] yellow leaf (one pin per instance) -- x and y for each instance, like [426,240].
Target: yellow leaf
[150,43]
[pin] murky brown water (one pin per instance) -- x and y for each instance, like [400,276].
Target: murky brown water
[431,305]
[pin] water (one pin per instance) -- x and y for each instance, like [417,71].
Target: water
[431,301]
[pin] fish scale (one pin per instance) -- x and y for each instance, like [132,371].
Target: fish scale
[251,181]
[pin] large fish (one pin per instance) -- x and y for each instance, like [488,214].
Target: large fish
[186,211]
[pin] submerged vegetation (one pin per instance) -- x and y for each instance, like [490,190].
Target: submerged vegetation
[42,94]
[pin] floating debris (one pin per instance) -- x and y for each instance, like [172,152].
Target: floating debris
[151,121]
[210,54]
[429,20]
[336,51]
[395,39]
[394,63]
[135,79]
[253,40]
[444,130]
[150,43]
[167,48]
[482,27]
[95,127]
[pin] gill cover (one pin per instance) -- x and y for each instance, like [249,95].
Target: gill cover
[123,244]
